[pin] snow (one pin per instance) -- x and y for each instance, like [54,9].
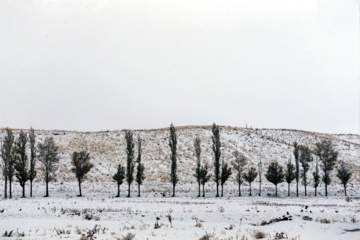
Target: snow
[44,218]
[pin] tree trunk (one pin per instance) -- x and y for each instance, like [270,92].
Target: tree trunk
[275,189]
[23,190]
[239,190]
[47,189]
[305,190]
[5,188]
[222,190]
[250,189]
[204,190]
[345,189]
[10,192]
[288,189]
[326,189]
[260,187]
[315,191]
[80,189]
[173,190]
[199,190]
[217,189]
[30,188]
[128,191]
[118,195]
[297,188]
[138,190]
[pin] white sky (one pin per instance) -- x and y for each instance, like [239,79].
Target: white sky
[113,64]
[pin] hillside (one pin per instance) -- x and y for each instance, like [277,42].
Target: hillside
[107,149]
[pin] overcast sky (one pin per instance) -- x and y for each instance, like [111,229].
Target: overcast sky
[92,65]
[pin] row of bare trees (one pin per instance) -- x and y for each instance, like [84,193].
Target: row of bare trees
[16,163]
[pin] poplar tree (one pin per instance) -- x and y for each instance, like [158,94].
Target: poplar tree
[250,176]
[217,153]
[305,158]
[81,166]
[224,176]
[172,144]
[8,159]
[328,158]
[119,178]
[289,174]
[275,174]
[140,173]
[48,156]
[344,173]
[316,177]
[130,159]
[297,166]
[239,164]
[197,175]
[205,176]
[21,160]
[32,170]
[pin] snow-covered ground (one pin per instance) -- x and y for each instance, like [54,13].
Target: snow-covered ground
[63,215]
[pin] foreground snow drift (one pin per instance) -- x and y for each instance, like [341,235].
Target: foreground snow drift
[63,215]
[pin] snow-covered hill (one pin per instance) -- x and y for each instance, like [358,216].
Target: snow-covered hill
[107,149]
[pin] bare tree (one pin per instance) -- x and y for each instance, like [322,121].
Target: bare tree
[224,176]
[297,166]
[130,159]
[8,159]
[172,144]
[197,175]
[21,160]
[140,173]
[328,157]
[32,170]
[316,177]
[217,153]
[48,156]
[289,174]
[205,176]
[239,164]
[344,173]
[260,175]
[275,174]
[305,158]
[81,166]
[250,176]
[119,178]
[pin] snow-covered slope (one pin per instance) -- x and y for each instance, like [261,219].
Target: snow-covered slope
[107,149]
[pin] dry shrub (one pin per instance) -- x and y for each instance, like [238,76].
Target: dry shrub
[198,224]
[307,218]
[129,236]
[324,220]
[208,236]
[259,235]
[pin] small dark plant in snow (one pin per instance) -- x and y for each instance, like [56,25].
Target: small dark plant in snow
[281,235]
[6,234]
[198,224]
[208,236]
[157,223]
[129,236]
[324,220]
[170,219]
[259,235]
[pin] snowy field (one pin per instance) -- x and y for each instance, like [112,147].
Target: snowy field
[65,216]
